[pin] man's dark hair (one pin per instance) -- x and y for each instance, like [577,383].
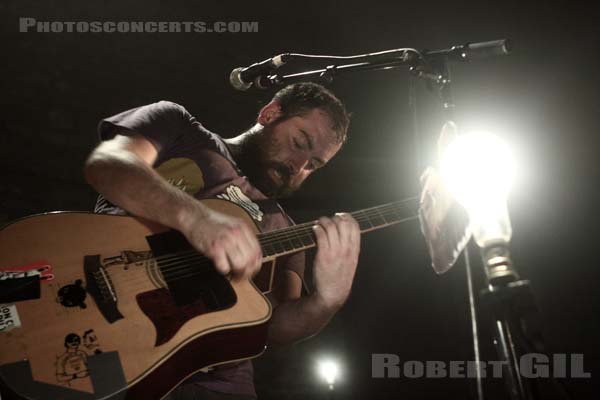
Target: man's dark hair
[300,98]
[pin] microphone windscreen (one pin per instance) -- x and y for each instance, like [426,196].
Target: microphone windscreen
[236,81]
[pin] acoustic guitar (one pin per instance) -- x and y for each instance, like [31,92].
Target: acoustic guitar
[99,306]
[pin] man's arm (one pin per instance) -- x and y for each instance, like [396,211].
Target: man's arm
[121,170]
[296,318]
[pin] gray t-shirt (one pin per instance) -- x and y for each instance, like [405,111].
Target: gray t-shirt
[198,162]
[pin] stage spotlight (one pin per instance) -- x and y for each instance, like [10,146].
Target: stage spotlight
[329,371]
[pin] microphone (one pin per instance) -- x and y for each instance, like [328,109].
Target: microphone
[472,51]
[242,78]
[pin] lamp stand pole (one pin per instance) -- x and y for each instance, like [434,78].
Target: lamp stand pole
[507,299]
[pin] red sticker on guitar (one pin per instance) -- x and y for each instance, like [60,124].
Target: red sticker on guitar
[41,268]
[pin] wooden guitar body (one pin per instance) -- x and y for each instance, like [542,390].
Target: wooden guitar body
[109,307]
[105,326]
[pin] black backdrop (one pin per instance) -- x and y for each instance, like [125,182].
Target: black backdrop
[543,99]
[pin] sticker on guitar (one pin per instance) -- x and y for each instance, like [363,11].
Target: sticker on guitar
[73,363]
[43,269]
[9,318]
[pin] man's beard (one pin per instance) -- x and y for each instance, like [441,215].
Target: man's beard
[256,158]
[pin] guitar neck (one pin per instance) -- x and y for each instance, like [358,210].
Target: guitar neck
[301,237]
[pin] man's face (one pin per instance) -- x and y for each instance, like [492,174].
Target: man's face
[289,150]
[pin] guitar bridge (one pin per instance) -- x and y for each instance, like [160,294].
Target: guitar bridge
[100,288]
[105,284]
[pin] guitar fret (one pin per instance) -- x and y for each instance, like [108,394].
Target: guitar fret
[287,244]
[307,240]
[363,220]
[396,212]
[278,247]
[293,238]
[377,220]
[267,249]
[296,242]
[381,213]
[389,215]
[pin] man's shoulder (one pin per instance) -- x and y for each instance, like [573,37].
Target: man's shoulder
[176,110]
[198,131]
[170,107]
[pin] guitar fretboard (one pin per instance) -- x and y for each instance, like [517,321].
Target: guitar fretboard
[301,237]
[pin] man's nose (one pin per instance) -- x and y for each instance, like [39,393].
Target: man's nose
[297,164]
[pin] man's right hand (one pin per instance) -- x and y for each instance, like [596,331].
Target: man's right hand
[227,241]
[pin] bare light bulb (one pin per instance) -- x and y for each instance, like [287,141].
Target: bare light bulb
[478,170]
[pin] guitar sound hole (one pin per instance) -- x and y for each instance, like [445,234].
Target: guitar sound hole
[193,279]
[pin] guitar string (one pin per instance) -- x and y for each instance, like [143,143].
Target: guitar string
[189,270]
[276,236]
[180,262]
[193,270]
[300,234]
[183,263]
[187,273]
[290,233]
[273,237]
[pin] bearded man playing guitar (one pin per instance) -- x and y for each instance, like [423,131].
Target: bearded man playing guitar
[298,132]
[173,296]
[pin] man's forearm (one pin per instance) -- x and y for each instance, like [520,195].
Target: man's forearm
[299,319]
[334,267]
[125,180]
[120,169]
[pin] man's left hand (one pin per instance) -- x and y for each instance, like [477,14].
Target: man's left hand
[338,241]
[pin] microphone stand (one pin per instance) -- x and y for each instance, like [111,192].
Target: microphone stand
[439,76]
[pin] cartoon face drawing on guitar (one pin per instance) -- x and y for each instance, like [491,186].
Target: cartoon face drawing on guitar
[72,364]
[90,342]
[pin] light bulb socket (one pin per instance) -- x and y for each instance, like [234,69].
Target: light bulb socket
[498,264]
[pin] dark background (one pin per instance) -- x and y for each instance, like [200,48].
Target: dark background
[543,100]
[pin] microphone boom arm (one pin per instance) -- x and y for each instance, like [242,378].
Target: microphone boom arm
[421,61]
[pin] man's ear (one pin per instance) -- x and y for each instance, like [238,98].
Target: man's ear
[269,113]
